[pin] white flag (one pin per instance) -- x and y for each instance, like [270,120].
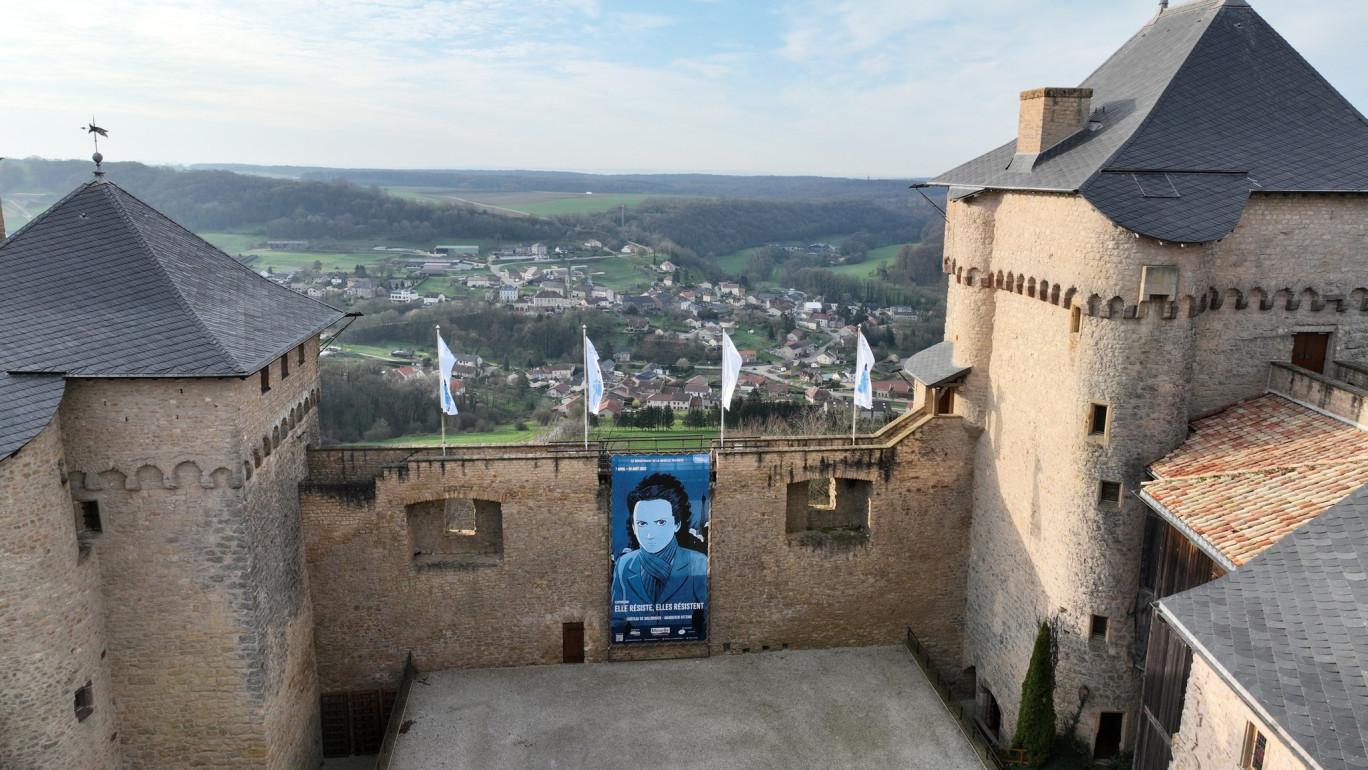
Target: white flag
[445,362]
[731,369]
[864,363]
[593,378]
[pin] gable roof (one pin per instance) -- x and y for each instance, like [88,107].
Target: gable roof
[1287,633]
[103,285]
[1203,105]
[1253,473]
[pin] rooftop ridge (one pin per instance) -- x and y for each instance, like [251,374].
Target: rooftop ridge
[119,207]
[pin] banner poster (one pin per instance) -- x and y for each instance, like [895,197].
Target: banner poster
[660,548]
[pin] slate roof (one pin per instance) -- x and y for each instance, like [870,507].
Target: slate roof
[27,404]
[935,365]
[1289,630]
[1203,105]
[103,285]
[1253,473]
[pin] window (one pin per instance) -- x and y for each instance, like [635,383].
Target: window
[832,508]
[1255,749]
[1097,420]
[285,366]
[1100,624]
[1109,493]
[299,352]
[1075,320]
[459,532]
[265,379]
[85,702]
[87,516]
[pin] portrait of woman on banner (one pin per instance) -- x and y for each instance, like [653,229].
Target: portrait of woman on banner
[661,581]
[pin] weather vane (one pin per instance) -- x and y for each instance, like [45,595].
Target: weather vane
[95,133]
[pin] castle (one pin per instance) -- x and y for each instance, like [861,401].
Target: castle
[1171,249]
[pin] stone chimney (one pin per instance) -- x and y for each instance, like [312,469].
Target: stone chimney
[1050,115]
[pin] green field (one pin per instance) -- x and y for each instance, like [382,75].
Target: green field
[580,204]
[233,243]
[871,262]
[504,434]
[734,263]
[620,273]
[542,204]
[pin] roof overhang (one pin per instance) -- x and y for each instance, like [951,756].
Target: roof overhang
[935,366]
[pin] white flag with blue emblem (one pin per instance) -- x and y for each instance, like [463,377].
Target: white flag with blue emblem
[731,369]
[446,361]
[864,364]
[593,378]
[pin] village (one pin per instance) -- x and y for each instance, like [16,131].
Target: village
[793,347]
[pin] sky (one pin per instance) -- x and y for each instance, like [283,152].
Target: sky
[851,88]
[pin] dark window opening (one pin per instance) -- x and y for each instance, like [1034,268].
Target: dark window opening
[460,532]
[1100,624]
[829,507]
[88,516]
[85,702]
[1109,492]
[299,351]
[265,379]
[284,366]
[1108,742]
[1097,420]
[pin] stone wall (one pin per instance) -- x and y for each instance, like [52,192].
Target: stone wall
[1045,305]
[50,610]
[1215,726]
[205,597]
[768,589]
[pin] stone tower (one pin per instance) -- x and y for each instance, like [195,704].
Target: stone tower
[155,405]
[1137,256]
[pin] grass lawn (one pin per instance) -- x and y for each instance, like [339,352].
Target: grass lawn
[758,340]
[734,264]
[504,434]
[284,261]
[871,262]
[579,204]
[233,243]
[619,273]
[380,351]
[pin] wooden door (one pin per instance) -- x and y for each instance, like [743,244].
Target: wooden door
[945,401]
[1308,351]
[572,643]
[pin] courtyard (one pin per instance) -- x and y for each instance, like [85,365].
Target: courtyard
[848,708]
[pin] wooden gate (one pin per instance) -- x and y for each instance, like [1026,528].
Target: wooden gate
[354,722]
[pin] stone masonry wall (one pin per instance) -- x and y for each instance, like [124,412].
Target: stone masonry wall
[1214,725]
[767,588]
[50,610]
[206,610]
[1043,545]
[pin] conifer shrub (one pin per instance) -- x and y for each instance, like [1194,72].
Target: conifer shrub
[1036,722]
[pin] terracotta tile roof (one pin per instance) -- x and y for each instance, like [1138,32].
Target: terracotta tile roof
[1251,474]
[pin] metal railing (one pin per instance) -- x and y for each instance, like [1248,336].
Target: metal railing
[396,720]
[978,737]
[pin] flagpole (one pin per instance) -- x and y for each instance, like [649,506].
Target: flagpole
[722,423]
[584,343]
[439,395]
[854,413]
